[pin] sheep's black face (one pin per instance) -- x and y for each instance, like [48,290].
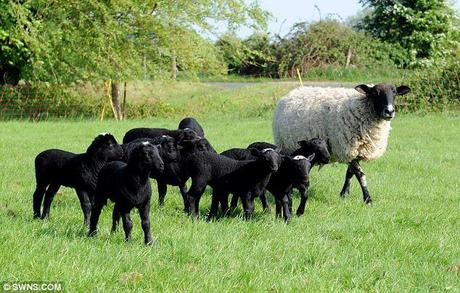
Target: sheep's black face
[105,147]
[168,149]
[383,97]
[146,156]
[319,147]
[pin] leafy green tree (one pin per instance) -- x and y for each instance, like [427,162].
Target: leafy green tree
[68,40]
[427,29]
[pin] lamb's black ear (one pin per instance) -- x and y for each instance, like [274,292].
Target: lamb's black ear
[402,90]
[363,89]
[311,157]
[302,143]
[254,151]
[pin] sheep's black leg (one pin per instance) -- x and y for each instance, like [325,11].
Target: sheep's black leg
[145,219]
[303,189]
[38,198]
[49,196]
[115,217]
[162,189]
[289,196]
[264,201]
[95,213]
[127,224]
[183,192]
[346,184]
[359,173]
[234,202]
[286,212]
[85,204]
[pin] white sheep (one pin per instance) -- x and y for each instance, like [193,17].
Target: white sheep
[354,122]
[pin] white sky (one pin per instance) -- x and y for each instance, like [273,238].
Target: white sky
[288,12]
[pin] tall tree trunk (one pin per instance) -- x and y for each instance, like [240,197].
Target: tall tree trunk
[116,103]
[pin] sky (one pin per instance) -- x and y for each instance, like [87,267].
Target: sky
[288,12]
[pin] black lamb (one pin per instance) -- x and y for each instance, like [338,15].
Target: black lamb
[226,176]
[190,122]
[315,146]
[54,168]
[128,186]
[179,135]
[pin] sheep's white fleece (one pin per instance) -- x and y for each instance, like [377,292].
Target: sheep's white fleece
[342,116]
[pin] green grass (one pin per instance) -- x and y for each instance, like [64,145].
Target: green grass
[407,241]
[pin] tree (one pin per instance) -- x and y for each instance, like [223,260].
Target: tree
[65,41]
[426,28]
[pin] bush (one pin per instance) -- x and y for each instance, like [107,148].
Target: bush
[436,89]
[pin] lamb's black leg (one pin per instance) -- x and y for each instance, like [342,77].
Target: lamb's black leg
[214,205]
[194,196]
[248,205]
[38,198]
[359,173]
[286,212]
[85,204]
[49,196]
[115,217]
[127,224]
[264,201]
[145,218]
[234,202]
[303,189]
[183,192]
[278,205]
[346,184]
[224,203]
[162,189]
[95,213]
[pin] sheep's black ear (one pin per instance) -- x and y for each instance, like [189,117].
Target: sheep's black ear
[311,157]
[402,90]
[363,89]
[254,151]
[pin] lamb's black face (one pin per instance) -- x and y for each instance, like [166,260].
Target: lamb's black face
[146,155]
[190,134]
[383,97]
[319,148]
[169,151]
[271,157]
[301,169]
[105,147]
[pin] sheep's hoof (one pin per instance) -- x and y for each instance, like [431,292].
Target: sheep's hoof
[299,213]
[368,201]
[92,233]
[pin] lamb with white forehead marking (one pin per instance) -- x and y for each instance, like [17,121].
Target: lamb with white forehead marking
[354,122]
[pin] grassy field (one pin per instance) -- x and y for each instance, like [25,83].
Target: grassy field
[407,241]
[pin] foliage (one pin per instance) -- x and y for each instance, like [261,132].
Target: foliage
[437,89]
[254,56]
[328,43]
[428,30]
[121,40]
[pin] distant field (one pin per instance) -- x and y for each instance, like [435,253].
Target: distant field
[407,241]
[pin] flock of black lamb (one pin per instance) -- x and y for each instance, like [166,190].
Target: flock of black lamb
[121,173]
